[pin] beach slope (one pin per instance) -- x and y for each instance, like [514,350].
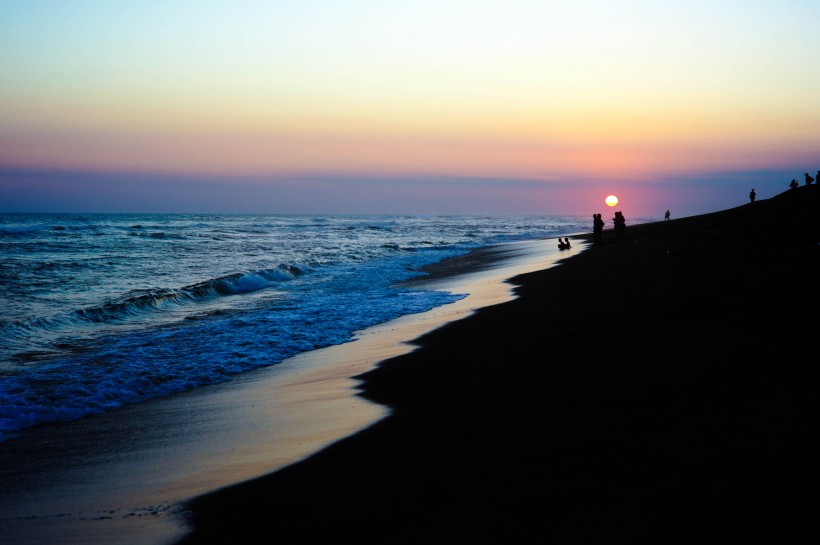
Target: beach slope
[659,386]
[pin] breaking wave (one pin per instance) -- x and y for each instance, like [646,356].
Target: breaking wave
[139,303]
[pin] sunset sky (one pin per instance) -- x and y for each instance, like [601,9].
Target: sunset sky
[384,106]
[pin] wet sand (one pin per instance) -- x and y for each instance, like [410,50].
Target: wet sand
[121,477]
[656,388]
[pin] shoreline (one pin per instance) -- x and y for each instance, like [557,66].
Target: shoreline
[125,473]
[656,387]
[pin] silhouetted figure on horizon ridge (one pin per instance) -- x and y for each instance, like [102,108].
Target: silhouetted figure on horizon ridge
[752,196]
[667,215]
[794,184]
[809,179]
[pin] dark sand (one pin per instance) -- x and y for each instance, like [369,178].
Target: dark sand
[658,388]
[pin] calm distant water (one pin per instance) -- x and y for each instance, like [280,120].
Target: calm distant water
[99,311]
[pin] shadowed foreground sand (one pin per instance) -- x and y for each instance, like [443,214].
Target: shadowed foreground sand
[657,387]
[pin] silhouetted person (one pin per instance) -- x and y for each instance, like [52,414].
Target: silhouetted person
[597,228]
[752,195]
[666,216]
[567,245]
[794,184]
[620,224]
[561,245]
[809,179]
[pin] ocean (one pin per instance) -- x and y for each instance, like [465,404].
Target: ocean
[99,311]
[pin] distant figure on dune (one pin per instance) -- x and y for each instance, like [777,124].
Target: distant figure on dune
[752,196]
[809,179]
[794,184]
[597,228]
[666,216]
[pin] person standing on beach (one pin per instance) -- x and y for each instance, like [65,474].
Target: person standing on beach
[752,196]
[597,228]
[620,224]
[666,216]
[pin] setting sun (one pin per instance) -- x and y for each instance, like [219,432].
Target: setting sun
[612,200]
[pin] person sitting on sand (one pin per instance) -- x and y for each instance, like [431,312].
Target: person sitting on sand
[809,179]
[794,184]
[561,245]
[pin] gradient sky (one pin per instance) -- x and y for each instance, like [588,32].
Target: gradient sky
[383,106]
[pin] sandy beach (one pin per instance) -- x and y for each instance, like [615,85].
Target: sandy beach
[658,387]
[121,477]
[215,224]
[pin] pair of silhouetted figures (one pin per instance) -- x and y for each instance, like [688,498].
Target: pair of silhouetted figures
[809,180]
[597,228]
[564,244]
[620,224]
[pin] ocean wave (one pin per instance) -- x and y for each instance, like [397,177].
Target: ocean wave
[249,281]
[138,303]
[115,309]
[155,234]
[391,246]
[21,230]
[126,369]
